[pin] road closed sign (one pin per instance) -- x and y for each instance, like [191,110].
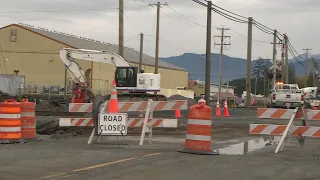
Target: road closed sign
[113,124]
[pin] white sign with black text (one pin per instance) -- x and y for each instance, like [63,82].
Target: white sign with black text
[113,124]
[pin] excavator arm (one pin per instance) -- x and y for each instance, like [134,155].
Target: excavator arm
[81,92]
[127,78]
[68,56]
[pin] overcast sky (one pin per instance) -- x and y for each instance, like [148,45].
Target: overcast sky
[182,23]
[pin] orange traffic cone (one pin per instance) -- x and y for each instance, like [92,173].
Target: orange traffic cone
[178,113]
[252,102]
[218,111]
[113,103]
[226,110]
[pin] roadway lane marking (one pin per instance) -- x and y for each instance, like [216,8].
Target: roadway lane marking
[63,175]
[113,162]
[102,165]
[154,154]
[53,175]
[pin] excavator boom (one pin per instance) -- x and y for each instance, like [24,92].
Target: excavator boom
[127,77]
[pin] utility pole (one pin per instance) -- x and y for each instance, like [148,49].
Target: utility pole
[286,57]
[306,67]
[221,55]
[283,66]
[313,72]
[249,55]
[156,64]
[65,82]
[274,52]
[141,50]
[208,54]
[121,34]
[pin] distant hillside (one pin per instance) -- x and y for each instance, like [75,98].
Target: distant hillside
[231,67]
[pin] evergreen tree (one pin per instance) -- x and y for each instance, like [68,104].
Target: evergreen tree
[292,74]
[309,80]
[259,68]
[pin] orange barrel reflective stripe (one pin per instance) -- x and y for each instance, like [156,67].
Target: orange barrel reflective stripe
[28,120]
[10,121]
[198,138]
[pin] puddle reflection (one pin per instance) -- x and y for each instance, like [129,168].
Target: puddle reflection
[247,146]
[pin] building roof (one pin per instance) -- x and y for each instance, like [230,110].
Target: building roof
[191,83]
[130,54]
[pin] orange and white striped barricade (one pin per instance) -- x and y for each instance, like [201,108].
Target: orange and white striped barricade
[285,131]
[10,122]
[28,120]
[123,107]
[198,137]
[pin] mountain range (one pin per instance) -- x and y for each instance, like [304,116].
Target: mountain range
[232,67]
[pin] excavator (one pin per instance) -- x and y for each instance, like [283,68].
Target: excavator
[131,85]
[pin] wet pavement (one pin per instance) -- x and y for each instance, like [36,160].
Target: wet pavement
[242,157]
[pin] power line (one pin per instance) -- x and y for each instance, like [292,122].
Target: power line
[222,13]
[229,11]
[130,22]
[181,19]
[289,43]
[294,57]
[229,16]
[260,26]
[131,38]
[191,22]
[50,11]
[139,4]
[262,29]
[260,41]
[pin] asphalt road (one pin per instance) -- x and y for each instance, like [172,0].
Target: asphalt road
[72,159]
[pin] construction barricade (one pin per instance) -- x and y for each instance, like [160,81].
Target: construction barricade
[198,137]
[299,113]
[146,123]
[28,120]
[17,121]
[10,121]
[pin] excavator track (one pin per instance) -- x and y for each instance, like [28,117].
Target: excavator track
[136,97]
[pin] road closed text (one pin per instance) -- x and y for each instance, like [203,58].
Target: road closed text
[112,118]
[113,127]
[113,124]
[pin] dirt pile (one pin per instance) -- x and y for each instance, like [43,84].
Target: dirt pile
[179,97]
[49,105]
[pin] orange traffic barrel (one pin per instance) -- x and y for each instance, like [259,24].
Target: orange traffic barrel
[10,121]
[28,120]
[198,138]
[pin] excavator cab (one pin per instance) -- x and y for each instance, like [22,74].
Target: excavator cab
[126,76]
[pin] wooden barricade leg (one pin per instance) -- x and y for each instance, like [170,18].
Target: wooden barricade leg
[103,108]
[150,128]
[285,134]
[145,127]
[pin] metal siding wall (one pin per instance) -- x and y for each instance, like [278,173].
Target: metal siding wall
[36,57]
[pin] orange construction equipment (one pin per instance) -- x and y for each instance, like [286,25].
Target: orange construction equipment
[113,102]
[10,121]
[28,120]
[253,102]
[198,138]
[218,110]
[226,109]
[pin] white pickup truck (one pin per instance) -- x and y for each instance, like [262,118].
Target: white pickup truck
[285,95]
